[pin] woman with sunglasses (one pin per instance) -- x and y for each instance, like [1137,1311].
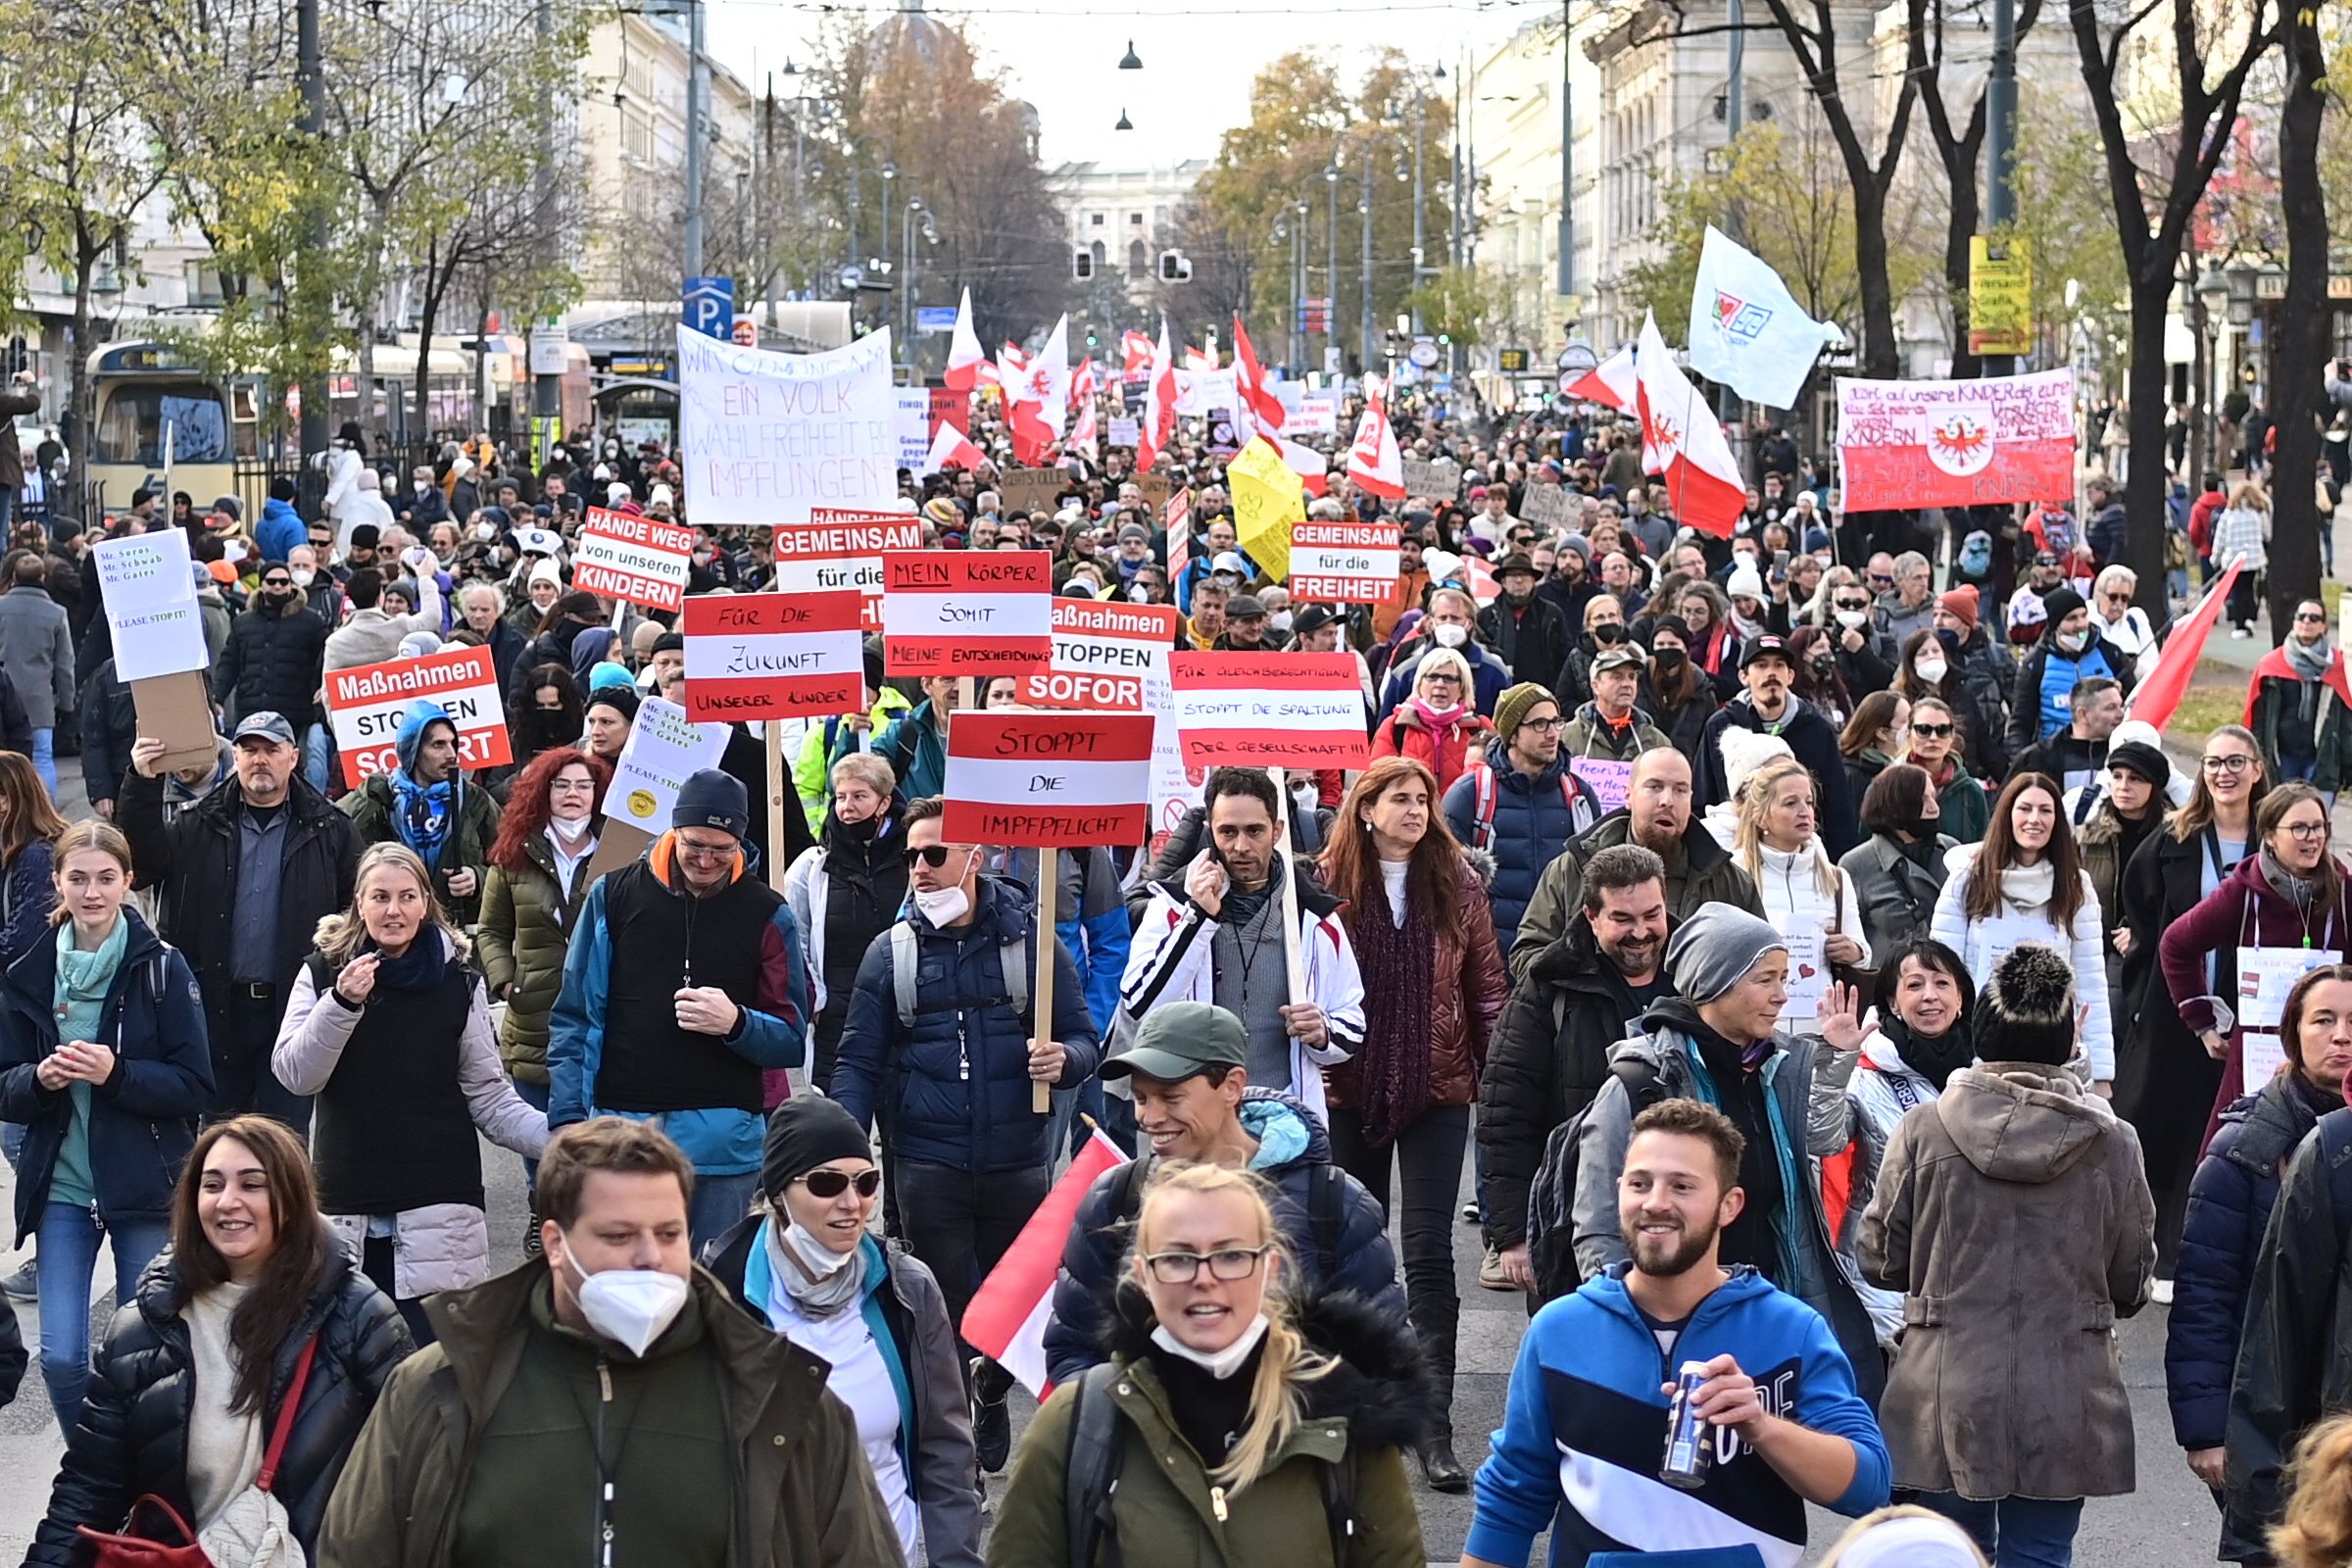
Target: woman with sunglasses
[1962,809]
[2115,619]
[2297,705]
[2287,896]
[812,1268]
[2166,1081]
[1222,1385]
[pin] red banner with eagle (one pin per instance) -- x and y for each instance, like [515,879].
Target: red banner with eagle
[1956,443]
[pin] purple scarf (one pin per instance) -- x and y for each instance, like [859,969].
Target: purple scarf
[1392,1070]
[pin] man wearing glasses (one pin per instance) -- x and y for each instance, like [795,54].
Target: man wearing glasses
[1524,812]
[275,652]
[711,993]
[2300,705]
[942,1041]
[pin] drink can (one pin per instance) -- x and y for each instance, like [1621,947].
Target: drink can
[1690,1444]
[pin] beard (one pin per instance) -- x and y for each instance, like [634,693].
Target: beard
[1657,837]
[1636,957]
[1666,1256]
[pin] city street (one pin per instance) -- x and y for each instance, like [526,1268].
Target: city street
[2169,1521]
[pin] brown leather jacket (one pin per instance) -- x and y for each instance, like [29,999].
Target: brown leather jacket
[1467,991]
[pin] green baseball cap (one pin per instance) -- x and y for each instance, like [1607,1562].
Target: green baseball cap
[1179,1039]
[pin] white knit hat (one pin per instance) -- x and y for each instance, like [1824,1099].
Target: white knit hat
[1744,751]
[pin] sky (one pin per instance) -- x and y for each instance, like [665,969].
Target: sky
[1198,60]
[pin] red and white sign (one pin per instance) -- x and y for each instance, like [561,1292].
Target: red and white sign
[1344,563]
[839,548]
[642,559]
[367,704]
[771,655]
[1059,780]
[968,613]
[1268,710]
[1956,443]
[1109,657]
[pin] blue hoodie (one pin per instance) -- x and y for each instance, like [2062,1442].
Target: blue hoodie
[1585,1424]
[279,531]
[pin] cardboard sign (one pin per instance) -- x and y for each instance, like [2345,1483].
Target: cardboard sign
[641,560]
[771,655]
[769,436]
[1109,657]
[366,705]
[1547,504]
[836,548]
[1126,433]
[1344,563]
[1268,710]
[1155,489]
[178,710]
[148,585]
[1039,780]
[1441,480]
[1030,489]
[965,612]
[665,747]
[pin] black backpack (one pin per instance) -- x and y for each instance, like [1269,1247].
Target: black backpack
[1090,1475]
[1552,1195]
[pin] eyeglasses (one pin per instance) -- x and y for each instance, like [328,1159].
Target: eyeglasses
[704,854]
[288,582]
[2233,763]
[1228,1264]
[2306,832]
[1446,675]
[1543,727]
[931,855]
[1931,731]
[2309,615]
[2124,599]
[829,1183]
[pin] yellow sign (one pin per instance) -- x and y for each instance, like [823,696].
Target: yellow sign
[2000,297]
[1267,501]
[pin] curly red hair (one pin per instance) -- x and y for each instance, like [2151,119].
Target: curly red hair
[525,816]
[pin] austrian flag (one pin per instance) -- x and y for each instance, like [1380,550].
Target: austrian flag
[1683,442]
[1007,1320]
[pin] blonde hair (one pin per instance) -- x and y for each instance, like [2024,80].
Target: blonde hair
[1285,1364]
[91,834]
[2316,1532]
[1440,659]
[1756,799]
[339,936]
[1868,1522]
[2250,495]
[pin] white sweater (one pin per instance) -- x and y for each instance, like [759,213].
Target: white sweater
[1980,944]
[1790,885]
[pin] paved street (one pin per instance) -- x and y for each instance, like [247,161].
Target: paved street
[2169,1521]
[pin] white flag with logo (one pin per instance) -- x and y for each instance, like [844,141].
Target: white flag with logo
[1747,330]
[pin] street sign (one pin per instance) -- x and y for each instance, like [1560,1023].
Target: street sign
[934,319]
[1576,359]
[1425,354]
[1512,362]
[746,331]
[708,306]
[2000,297]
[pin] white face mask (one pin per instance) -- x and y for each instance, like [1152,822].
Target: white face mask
[947,906]
[1450,635]
[1931,671]
[2073,641]
[630,1307]
[1852,620]
[303,576]
[1138,594]
[1218,1365]
[422,486]
[1281,620]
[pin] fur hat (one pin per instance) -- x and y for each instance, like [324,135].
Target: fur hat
[1744,751]
[2027,1012]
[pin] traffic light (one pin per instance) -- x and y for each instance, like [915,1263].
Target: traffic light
[1082,265]
[1175,268]
[1090,337]
[1445,340]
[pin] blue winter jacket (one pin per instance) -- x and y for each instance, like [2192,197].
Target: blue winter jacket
[912,744]
[2229,1201]
[957,1081]
[1293,1155]
[29,892]
[1090,918]
[279,531]
[143,1117]
[1533,823]
[1584,1426]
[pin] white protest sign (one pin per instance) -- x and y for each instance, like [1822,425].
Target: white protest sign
[913,426]
[768,437]
[2265,975]
[1199,391]
[839,548]
[148,585]
[1808,975]
[1108,656]
[366,705]
[1315,415]
[665,747]
[642,559]
[1126,433]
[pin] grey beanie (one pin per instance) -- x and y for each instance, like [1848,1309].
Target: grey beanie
[1714,949]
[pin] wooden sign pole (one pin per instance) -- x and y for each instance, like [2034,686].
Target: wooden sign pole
[1049,881]
[779,792]
[1289,885]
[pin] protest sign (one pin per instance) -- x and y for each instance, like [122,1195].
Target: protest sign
[1199,391]
[840,549]
[913,425]
[1268,710]
[1029,489]
[1547,504]
[1441,480]
[946,406]
[367,703]
[665,747]
[1344,563]
[769,436]
[965,612]
[1611,778]
[1905,444]
[1036,780]
[1126,433]
[641,560]
[1154,487]
[769,655]
[148,585]
[1109,657]
[1316,415]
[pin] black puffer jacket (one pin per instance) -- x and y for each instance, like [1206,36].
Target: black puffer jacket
[271,661]
[135,1426]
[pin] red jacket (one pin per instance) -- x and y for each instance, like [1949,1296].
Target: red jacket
[1396,737]
[2202,513]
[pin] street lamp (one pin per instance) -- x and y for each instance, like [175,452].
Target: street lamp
[1131,60]
[1124,123]
[907,231]
[1331,260]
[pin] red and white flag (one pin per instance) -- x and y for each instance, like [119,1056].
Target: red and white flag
[1137,347]
[966,360]
[1480,579]
[2155,698]
[1257,393]
[1199,359]
[1007,1320]
[952,449]
[1375,462]
[1610,382]
[1683,442]
[1159,425]
[1311,466]
[1039,407]
[1903,444]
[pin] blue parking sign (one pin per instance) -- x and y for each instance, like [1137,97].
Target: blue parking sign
[708,305]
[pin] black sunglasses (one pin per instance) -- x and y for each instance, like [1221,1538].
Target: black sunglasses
[931,855]
[833,1183]
[1931,731]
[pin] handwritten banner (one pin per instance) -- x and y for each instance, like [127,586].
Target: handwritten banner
[769,436]
[966,612]
[771,655]
[1268,710]
[1047,780]
[1903,444]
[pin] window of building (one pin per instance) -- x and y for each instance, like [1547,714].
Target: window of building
[1101,256]
[1095,219]
[1134,219]
[1139,260]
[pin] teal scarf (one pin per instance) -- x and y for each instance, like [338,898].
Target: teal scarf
[84,978]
